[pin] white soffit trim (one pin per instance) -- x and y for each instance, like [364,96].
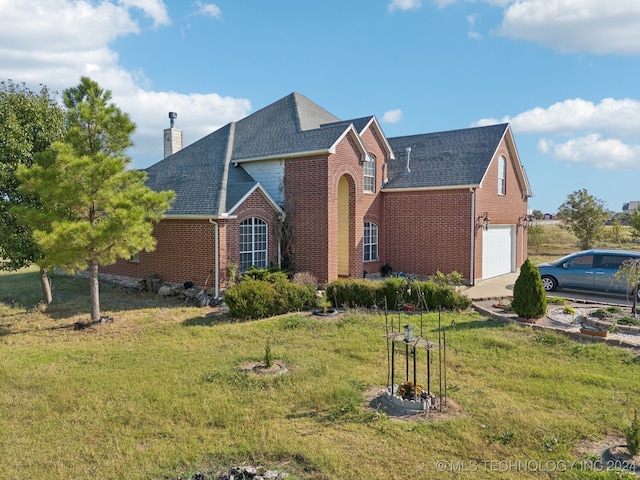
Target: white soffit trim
[283,156]
[350,129]
[376,124]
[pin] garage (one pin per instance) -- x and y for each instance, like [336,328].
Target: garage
[497,251]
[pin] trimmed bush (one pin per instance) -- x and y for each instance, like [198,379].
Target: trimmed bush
[398,292]
[632,435]
[265,293]
[251,299]
[529,297]
[352,293]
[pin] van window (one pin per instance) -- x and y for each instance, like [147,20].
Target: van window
[583,261]
[611,261]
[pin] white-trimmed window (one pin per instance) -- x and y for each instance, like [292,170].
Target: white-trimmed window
[502,175]
[370,242]
[253,243]
[369,173]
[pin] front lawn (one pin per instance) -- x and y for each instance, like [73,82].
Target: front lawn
[158,393]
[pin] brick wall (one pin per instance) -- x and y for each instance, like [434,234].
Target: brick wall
[185,249]
[428,231]
[184,252]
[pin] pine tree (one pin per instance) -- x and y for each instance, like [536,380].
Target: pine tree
[94,210]
[529,297]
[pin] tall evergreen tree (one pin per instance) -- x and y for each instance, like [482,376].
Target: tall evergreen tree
[29,123]
[94,210]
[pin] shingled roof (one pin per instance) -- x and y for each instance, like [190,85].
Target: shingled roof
[444,159]
[291,126]
[209,180]
[203,174]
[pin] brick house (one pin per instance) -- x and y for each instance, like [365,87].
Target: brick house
[292,183]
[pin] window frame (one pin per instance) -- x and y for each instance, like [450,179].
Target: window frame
[368,176]
[254,243]
[368,245]
[502,175]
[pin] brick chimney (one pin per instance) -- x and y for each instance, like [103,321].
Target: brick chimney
[172,137]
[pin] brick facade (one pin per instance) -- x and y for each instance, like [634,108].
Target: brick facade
[420,231]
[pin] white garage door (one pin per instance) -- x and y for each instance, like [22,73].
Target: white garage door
[497,251]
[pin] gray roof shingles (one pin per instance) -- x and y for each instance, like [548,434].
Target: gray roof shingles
[290,125]
[293,125]
[194,173]
[444,159]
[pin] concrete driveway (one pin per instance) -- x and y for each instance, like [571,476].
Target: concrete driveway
[492,288]
[502,286]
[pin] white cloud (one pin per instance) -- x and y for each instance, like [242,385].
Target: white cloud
[404,5]
[594,26]
[39,44]
[155,9]
[392,116]
[595,151]
[578,131]
[208,10]
[578,26]
[610,116]
[472,21]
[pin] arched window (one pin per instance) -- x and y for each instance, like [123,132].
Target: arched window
[370,242]
[253,243]
[369,174]
[502,176]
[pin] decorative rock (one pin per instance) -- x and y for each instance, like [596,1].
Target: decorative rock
[165,291]
[250,471]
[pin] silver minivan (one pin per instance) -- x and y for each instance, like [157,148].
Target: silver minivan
[590,270]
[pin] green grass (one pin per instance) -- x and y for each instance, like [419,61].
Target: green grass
[157,393]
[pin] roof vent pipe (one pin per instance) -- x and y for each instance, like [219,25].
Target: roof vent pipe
[172,118]
[408,159]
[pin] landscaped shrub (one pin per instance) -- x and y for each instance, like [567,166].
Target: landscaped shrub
[399,294]
[264,293]
[606,312]
[529,297]
[291,297]
[352,293]
[394,289]
[251,299]
[633,436]
[271,274]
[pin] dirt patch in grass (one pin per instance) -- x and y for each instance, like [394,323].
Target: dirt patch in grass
[259,368]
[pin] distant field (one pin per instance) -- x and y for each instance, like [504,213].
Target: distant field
[557,242]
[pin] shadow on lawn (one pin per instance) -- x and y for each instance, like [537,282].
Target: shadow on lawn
[71,295]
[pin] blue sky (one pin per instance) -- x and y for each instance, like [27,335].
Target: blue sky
[565,73]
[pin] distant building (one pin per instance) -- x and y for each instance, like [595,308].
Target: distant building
[549,216]
[631,206]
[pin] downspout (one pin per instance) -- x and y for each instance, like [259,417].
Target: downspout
[283,216]
[216,255]
[473,236]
